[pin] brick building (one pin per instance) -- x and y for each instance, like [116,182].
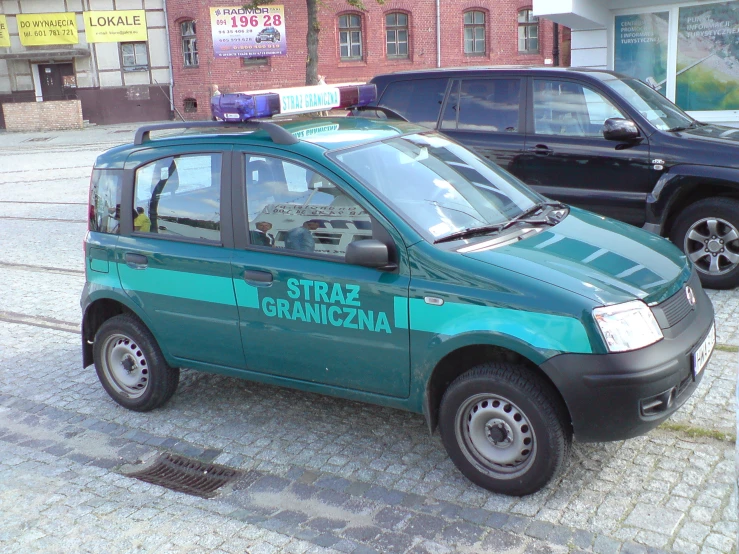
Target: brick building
[353,45]
[109,58]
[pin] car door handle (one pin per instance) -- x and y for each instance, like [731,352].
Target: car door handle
[258,277]
[540,150]
[136,261]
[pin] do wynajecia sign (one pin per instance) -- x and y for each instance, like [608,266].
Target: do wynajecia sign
[4,34]
[248,33]
[115,26]
[42,29]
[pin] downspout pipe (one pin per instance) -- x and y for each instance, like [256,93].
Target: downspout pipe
[438,34]
[555,44]
[169,57]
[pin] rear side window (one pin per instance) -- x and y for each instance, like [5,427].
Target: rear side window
[418,101]
[490,105]
[179,196]
[105,201]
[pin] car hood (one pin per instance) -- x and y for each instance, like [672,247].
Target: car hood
[599,258]
[721,142]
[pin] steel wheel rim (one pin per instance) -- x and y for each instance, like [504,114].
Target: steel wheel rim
[712,244]
[495,435]
[125,366]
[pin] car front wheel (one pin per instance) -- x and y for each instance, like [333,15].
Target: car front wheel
[505,428]
[130,365]
[708,233]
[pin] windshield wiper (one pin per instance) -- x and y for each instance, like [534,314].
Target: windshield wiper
[496,227]
[692,125]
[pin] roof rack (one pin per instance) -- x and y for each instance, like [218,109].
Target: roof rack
[276,133]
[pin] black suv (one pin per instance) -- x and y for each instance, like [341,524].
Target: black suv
[595,139]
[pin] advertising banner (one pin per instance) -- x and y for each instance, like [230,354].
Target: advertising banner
[641,47]
[43,29]
[4,33]
[116,26]
[708,57]
[251,33]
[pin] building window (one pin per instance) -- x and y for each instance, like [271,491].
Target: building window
[350,37]
[191,105]
[474,33]
[254,62]
[528,32]
[189,43]
[396,35]
[134,56]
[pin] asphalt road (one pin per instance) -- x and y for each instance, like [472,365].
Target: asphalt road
[316,474]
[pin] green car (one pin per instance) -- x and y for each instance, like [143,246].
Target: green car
[382,262]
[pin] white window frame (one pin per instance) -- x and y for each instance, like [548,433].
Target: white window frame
[712,116]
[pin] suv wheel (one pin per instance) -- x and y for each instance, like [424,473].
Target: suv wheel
[505,428]
[708,232]
[130,365]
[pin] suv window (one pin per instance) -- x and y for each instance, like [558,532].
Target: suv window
[179,196]
[483,105]
[293,208]
[570,109]
[418,101]
[105,201]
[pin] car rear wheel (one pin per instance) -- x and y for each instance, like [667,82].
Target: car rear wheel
[130,365]
[708,233]
[505,428]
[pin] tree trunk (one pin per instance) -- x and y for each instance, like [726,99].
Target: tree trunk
[311,64]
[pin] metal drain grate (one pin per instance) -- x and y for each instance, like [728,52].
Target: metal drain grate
[39,139]
[186,475]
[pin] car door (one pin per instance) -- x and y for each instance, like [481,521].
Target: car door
[175,263]
[486,114]
[568,159]
[306,314]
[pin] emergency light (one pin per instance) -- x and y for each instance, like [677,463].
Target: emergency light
[243,106]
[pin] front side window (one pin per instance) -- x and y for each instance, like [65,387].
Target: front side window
[105,201]
[134,56]
[570,109]
[294,209]
[437,185]
[180,197]
[350,37]
[528,32]
[396,35]
[474,33]
[189,43]
[490,105]
[654,107]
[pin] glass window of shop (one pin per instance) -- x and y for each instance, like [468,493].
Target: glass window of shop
[688,52]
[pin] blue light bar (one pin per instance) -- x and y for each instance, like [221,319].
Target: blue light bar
[243,106]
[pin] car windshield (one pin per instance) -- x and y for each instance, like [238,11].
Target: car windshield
[437,185]
[657,109]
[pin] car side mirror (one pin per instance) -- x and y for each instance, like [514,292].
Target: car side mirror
[369,253]
[617,128]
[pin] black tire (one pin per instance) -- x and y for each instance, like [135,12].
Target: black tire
[258,40]
[131,366]
[505,428]
[693,232]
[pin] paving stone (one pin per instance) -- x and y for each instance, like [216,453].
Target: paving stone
[654,518]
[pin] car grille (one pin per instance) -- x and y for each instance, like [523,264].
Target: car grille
[673,310]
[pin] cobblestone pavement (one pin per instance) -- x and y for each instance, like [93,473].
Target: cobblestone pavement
[317,473]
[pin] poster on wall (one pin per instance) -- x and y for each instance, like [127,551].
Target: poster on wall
[4,33]
[641,47]
[708,57]
[43,29]
[251,33]
[115,26]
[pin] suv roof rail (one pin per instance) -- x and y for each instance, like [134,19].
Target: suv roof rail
[276,133]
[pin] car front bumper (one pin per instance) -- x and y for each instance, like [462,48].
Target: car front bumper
[622,395]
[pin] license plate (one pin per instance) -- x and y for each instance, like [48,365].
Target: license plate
[231,116]
[703,352]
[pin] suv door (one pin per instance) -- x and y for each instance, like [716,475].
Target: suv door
[568,159]
[306,314]
[487,114]
[175,262]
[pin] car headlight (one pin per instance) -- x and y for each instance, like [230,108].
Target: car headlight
[627,326]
